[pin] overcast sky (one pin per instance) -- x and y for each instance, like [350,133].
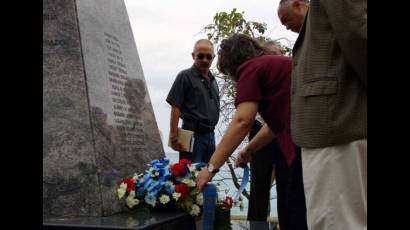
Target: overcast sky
[165,31]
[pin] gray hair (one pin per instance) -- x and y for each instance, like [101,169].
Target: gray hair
[271,42]
[276,44]
[285,1]
[202,41]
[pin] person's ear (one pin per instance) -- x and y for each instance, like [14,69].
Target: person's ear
[193,55]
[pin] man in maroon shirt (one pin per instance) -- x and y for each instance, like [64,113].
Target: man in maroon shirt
[263,85]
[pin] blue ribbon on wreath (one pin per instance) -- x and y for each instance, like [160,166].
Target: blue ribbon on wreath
[210,198]
[153,183]
[244,182]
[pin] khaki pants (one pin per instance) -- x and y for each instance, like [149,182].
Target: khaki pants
[335,181]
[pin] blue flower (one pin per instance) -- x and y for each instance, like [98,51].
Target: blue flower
[164,161]
[169,187]
[151,199]
[139,183]
[140,192]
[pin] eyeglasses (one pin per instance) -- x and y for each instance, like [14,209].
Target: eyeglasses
[201,56]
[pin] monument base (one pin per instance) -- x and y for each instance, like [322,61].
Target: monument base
[153,220]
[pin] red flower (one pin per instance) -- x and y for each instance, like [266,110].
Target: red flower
[229,201]
[183,189]
[227,204]
[130,183]
[178,169]
[185,162]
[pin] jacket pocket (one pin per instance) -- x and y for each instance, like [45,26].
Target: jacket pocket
[317,87]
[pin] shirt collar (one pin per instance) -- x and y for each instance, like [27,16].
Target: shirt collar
[196,70]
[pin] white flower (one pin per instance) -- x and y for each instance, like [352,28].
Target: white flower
[189,182]
[131,202]
[195,210]
[135,177]
[121,190]
[150,170]
[192,168]
[193,184]
[176,195]
[200,198]
[132,194]
[164,199]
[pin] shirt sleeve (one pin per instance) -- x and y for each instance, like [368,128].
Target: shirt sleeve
[248,87]
[177,93]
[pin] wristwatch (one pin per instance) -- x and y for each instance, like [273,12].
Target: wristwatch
[212,169]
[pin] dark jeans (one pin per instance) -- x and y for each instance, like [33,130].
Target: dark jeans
[204,146]
[289,186]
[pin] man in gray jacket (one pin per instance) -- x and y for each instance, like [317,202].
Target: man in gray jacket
[329,112]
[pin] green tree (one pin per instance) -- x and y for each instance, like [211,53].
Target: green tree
[227,24]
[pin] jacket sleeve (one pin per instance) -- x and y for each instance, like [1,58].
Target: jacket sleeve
[348,19]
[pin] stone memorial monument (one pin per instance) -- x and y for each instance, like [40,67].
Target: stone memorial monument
[98,122]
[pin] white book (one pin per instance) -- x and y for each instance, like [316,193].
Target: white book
[186,138]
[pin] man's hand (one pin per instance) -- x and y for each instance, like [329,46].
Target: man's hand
[175,144]
[173,131]
[244,157]
[203,177]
